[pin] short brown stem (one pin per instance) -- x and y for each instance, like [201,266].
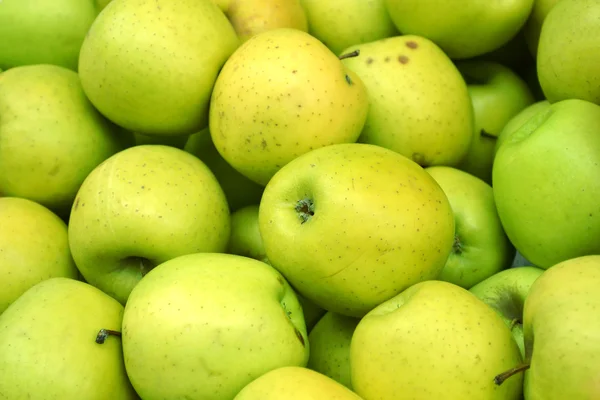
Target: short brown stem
[499,379]
[105,333]
[354,53]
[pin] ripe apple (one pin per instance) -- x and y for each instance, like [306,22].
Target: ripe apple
[51,137]
[330,347]
[481,247]
[438,332]
[43,31]
[519,120]
[351,225]
[463,30]
[561,328]
[33,247]
[543,178]
[506,292]
[419,105]
[568,56]
[281,95]
[533,26]
[48,347]
[140,208]
[205,325]
[295,383]
[239,190]
[159,63]
[340,24]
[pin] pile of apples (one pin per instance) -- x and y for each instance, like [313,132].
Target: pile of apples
[300,199]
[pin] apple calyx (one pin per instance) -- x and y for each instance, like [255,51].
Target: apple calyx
[103,334]
[305,209]
[457,247]
[499,379]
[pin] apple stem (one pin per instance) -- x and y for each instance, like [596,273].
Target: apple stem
[499,379]
[105,333]
[514,322]
[354,53]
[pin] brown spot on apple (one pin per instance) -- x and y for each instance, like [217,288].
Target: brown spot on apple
[369,61]
[412,44]
[403,59]
[76,204]
[418,158]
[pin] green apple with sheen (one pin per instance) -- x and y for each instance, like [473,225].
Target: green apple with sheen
[142,207]
[462,29]
[481,248]
[497,94]
[202,326]
[561,328]
[49,348]
[44,31]
[340,24]
[544,178]
[51,136]
[506,292]
[239,190]
[352,225]
[34,246]
[518,121]
[159,63]
[437,332]
[295,383]
[419,105]
[568,56]
[534,23]
[330,347]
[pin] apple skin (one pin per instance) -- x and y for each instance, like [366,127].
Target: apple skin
[142,207]
[481,248]
[34,247]
[506,292]
[48,347]
[533,26]
[518,121]
[568,56]
[438,332]
[44,31]
[280,95]
[541,180]
[419,105]
[155,79]
[51,136]
[352,225]
[463,31]
[209,324]
[295,383]
[340,24]
[561,328]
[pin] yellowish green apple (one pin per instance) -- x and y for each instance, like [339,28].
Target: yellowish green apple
[518,121]
[435,340]
[533,26]
[140,208]
[481,248]
[49,348]
[544,178]
[51,136]
[351,225]
[280,95]
[202,326]
[419,105]
[159,63]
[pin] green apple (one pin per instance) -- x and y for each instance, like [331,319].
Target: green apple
[295,383]
[568,56]
[561,328]
[142,207]
[340,24]
[352,225]
[48,347]
[481,247]
[330,347]
[51,137]
[159,63]
[506,292]
[462,29]
[44,31]
[497,94]
[533,26]
[34,247]
[544,178]
[436,332]
[281,95]
[171,140]
[204,325]
[519,120]
[419,105]
[239,190]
